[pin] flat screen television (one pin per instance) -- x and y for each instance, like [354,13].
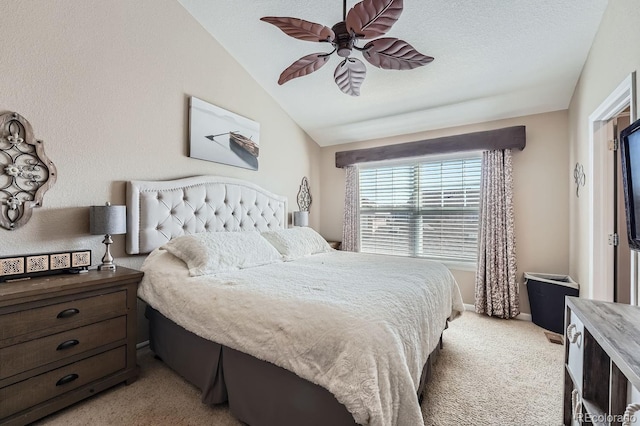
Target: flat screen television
[630,153]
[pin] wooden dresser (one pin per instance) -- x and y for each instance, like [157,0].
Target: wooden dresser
[602,362]
[64,338]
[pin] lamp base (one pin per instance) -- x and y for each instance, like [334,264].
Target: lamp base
[107,259]
[107,267]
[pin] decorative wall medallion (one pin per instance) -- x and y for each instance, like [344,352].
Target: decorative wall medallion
[304,195]
[25,171]
[578,177]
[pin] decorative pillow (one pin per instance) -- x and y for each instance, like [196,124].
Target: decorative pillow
[214,252]
[297,242]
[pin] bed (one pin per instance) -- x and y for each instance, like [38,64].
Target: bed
[320,338]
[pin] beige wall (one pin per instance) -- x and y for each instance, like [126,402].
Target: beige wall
[106,84]
[606,67]
[541,185]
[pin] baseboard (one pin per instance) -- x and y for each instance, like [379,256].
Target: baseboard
[142,344]
[468,307]
[522,316]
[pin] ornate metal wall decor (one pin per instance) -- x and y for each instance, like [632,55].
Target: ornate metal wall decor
[304,195]
[25,171]
[578,177]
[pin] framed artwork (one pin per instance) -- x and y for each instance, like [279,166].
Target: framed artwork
[221,136]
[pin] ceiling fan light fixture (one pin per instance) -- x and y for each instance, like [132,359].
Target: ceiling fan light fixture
[366,20]
[343,40]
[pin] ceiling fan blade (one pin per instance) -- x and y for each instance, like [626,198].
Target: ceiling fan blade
[393,54]
[349,76]
[373,18]
[303,66]
[301,29]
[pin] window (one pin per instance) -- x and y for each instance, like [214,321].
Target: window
[427,209]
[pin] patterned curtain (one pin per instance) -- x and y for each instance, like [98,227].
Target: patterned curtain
[351,226]
[497,291]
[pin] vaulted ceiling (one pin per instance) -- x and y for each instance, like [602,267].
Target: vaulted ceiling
[493,59]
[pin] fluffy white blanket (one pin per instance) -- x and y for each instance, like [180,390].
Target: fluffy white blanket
[361,326]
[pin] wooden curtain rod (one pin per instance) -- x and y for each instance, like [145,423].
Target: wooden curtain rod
[490,140]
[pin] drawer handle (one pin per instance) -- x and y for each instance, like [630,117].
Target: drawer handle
[68,313]
[629,414]
[66,345]
[572,334]
[67,379]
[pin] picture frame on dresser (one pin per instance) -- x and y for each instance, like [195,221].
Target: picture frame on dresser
[18,267]
[65,338]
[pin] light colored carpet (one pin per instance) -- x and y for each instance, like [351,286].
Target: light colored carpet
[495,372]
[490,372]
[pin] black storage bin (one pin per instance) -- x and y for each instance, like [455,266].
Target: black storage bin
[546,298]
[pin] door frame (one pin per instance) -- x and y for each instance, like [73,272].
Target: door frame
[601,189]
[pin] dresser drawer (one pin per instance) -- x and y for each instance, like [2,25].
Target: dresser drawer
[574,337]
[68,314]
[25,356]
[28,393]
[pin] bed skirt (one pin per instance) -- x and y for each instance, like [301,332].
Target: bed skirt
[258,392]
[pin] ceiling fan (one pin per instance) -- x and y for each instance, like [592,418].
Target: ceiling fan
[366,20]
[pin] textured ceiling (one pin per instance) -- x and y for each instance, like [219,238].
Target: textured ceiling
[493,59]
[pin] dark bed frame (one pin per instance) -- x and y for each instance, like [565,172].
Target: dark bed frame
[258,392]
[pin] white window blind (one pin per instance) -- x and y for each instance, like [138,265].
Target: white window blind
[427,209]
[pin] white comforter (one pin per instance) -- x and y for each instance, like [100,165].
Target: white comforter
[359,325]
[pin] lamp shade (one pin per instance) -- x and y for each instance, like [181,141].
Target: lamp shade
[301,218]
[108,220]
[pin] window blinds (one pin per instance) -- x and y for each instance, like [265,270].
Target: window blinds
[427,209]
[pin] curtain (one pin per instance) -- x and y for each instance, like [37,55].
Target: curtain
[351,225]
[496,288]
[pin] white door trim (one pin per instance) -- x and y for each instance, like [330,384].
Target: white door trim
[601,188]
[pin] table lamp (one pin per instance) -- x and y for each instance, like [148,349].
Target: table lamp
[108,220]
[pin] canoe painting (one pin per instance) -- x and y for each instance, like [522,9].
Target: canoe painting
[221,136]
[243,147]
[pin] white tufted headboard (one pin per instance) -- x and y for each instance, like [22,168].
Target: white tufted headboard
[160,210]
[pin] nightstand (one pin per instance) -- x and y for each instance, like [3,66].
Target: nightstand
[64,338]
[335,244]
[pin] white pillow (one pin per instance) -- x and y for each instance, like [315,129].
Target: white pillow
[214,252]
[297,242]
